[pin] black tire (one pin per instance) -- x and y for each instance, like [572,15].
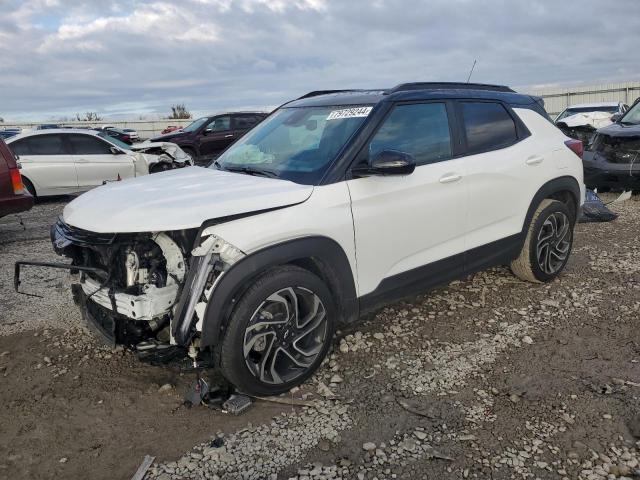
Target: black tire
[247,371]
[29,186]
[532,264]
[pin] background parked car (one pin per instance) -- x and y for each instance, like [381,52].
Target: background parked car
[14,197]
[207,137]
[133,134]
[9,132]
[581,121]
[118,134]
[47,126]
[64,161]
[612,160]
[170,128]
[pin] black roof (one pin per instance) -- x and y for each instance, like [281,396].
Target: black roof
[412,91]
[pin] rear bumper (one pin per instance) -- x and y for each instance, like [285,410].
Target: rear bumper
[15,204]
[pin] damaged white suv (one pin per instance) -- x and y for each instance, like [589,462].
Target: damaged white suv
[338,203]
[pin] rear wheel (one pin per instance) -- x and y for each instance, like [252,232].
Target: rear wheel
[279,332]
[548,244]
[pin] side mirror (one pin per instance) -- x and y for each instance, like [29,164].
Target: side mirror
[207,131]
[615,118]
[387,162]
[115,150]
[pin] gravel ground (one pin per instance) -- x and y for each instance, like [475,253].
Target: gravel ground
[489,377]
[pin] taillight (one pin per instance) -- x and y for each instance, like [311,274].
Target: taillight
[126,138]
[16,181]
[575,146]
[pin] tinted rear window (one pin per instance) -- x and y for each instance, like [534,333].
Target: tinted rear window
[488,126]
[88,145]
[39,145]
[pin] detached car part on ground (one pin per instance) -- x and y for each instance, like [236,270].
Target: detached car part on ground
[338,203]
[66,161]
[612,159]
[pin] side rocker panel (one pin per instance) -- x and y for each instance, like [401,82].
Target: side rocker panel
[320,249]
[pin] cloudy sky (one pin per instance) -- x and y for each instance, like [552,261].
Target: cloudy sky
[126,58]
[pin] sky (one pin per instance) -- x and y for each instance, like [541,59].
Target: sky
[135,58]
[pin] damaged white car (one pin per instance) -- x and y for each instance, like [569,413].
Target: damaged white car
[336,204]
[65,161]
[581,121]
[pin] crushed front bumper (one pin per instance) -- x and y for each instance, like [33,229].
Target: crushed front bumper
[599,172]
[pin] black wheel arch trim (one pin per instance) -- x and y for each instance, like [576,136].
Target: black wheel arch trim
[322,251]
[548,190]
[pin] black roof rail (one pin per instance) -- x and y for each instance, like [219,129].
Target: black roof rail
[447,86]
[315,93]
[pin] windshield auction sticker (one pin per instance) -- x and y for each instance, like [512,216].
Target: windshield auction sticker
[349,113]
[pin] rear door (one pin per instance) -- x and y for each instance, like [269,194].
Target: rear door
[47,163]
[503,165]
[216,136]
[96,163]
[410,230]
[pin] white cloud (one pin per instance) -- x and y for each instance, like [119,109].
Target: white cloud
[63,57]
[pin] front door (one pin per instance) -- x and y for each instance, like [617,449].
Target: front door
[410,230]
[216,136]
[96,163]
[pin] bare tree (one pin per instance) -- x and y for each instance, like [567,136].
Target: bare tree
[1,120]
[179,111]
[88,117]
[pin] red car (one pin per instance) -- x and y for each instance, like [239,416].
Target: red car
[170,128]
[14,197]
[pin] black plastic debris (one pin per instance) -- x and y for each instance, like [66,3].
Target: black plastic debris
[594,210]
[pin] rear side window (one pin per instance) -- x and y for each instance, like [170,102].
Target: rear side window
[88,145]
[488,126]
[21,147]
[421,130]
[245,122]
[40,145]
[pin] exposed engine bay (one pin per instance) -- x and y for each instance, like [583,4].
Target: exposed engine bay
[613,161]
[138,289]
[153,157]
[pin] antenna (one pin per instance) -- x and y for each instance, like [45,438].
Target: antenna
[471,72]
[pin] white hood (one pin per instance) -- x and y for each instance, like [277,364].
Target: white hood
[593,119]
[178,199]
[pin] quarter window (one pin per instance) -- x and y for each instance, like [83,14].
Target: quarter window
[88,145]
[488,126]
[245,122]
[421,130]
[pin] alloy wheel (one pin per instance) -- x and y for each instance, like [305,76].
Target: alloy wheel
[554,242]
[285,335]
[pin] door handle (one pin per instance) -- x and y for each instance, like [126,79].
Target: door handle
[82,160]
[450,178]
[229,136]
[535,160]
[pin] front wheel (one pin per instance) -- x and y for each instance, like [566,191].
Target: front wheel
[548,244]
[279,332]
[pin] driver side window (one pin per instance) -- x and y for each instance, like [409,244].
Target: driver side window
[421,130]
[220,124]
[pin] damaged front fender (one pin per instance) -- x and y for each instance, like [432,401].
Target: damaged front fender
[152,157]
[209,261]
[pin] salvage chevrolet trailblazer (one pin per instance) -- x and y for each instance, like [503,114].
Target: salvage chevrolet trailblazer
[339,202]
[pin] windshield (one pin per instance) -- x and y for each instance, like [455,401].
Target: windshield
[192,127]
[573,111]
[632,117]
[297,144]
[114,140]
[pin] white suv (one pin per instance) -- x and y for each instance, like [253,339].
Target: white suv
[339,202]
